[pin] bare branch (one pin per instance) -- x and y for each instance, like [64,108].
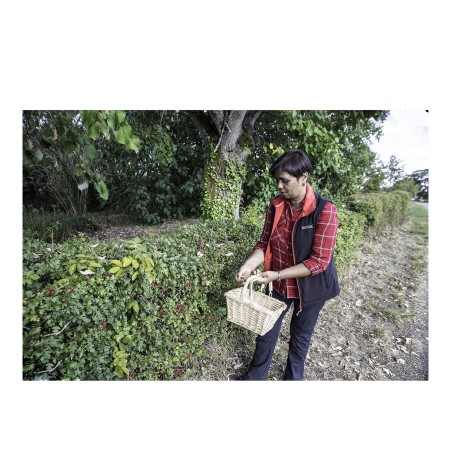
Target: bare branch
[51,370]
[59,332]
[249,124]
[218,119]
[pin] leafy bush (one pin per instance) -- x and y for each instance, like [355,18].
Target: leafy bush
[381,209]
[54,226]
[370,206]
[136,310]
[350,233]
[402,201]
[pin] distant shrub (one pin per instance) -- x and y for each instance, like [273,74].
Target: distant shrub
[348,242]
[380,210]
[54,226]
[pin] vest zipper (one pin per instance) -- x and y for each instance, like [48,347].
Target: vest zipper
[295,263]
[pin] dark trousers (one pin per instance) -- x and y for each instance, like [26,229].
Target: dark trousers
[301,330]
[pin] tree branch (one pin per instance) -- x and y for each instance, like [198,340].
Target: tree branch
[51,370]
[249,125]
[59,332]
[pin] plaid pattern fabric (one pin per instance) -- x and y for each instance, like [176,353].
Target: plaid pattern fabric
[281,244]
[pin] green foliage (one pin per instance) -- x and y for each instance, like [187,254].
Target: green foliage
[370,206]
[376,177]
[419,218]
[395,170]
[223,187]
[421,177]
[336,142]
[99,321]
[382,209]
[165,180]
[408,185]
[61,149]
[54,226]
[350,234]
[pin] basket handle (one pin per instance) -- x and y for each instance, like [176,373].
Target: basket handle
[250,281]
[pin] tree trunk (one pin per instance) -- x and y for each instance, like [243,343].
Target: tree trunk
[229,135]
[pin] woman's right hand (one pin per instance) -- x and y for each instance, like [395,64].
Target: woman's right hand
[244,272]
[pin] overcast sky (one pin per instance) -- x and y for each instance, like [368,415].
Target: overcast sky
[405,135]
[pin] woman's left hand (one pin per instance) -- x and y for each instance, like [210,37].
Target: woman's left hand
[267,277]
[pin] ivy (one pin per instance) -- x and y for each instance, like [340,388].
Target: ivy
[223,187]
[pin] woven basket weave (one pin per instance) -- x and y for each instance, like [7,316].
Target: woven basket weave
[253,310]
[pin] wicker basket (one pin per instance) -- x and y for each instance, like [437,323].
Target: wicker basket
[252,310]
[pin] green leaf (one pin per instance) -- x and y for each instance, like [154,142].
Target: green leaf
[114,269]
[122,363]
[94,130]
[135,263]
[126,339]
[82,186]
[90,151]
[115,118]
[123,134]
[135,307]
[102,189]
[83,139]
[134,144]
[134,276]
[125,370]
[94,264]
[69,147]
[72,269]
[126,261]
[88,118]
[78,171]
[119,372]
[122,346]
[120,116]
[116,262]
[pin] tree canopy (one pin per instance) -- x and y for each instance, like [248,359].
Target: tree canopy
[162,164]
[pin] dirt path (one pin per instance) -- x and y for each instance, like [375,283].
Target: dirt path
[377,329]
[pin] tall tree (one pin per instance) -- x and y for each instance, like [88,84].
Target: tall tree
[421,177]
[395,170]
[228,136]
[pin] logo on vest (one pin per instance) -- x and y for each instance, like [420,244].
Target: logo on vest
[304,227]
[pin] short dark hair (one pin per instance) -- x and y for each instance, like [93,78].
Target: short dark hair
[294,162]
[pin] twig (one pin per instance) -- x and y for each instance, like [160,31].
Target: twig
[51,370]
[59,332]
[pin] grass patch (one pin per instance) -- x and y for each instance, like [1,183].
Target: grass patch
[379,331]
[418,215]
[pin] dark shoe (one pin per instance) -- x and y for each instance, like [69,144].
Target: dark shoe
[234,378]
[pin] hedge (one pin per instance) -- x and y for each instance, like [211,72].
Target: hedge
[142,309]
[380,209]
[136,310]
[350,232]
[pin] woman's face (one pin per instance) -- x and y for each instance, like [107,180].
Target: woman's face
[292,188]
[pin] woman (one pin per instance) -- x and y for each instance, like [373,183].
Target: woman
[296,247]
